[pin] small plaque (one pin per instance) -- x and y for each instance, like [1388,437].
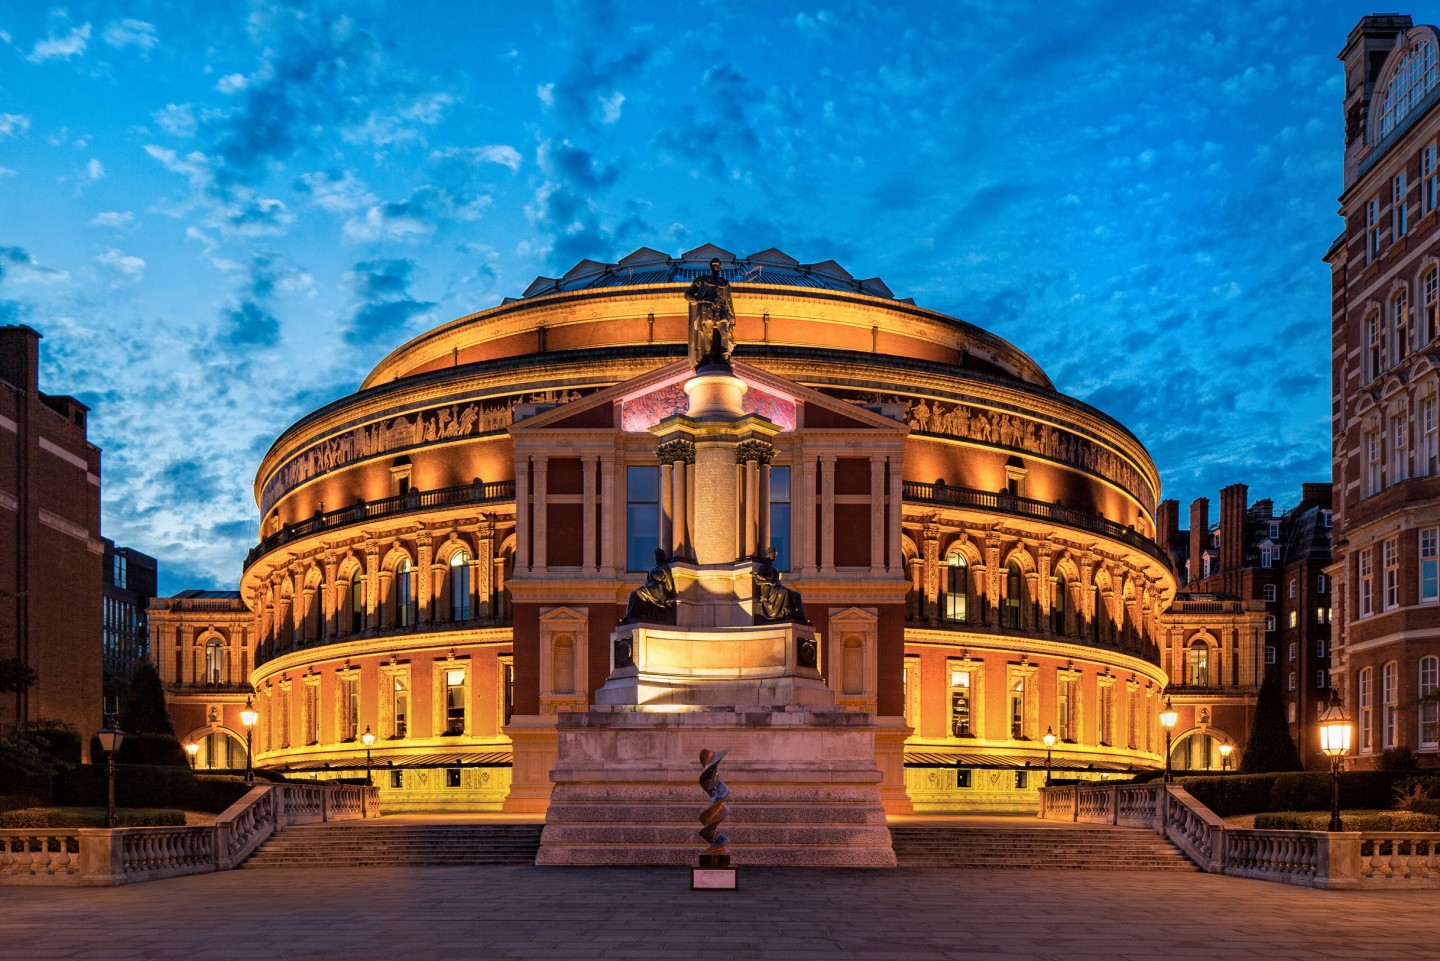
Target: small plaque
[714,879]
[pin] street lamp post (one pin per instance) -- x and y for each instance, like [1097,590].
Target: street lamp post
[1225,750]
[369,741]
[1168,717]
[248,717]
[1049,740]
[192,749]
[1335,742]
[110,739]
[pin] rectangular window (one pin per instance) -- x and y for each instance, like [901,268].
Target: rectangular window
[1132,718]
[454,702]
[1429,565]
[400,708]
[1322,680]
[780,516]
[962,777]
[1320,584]
[1270,622]
[1390,557]
[1017,709]
[642,516]
[1319,615]
[1320,648]
[1365,699]
[1427,458]
[1390,704]
[1294,617]
[1399,208]
[1429,707]
[1430,303]
[1107,714]
[1269,654]
[397,779]
[1294,587]
[349,709]
[1269,590]
[1022,778]
[959,703]
[1267,557]
[312,713]
[1066,703]
[1372,230]
[1373,363]
[1398,442]
[452,777]
[1366,600]
[1429,180]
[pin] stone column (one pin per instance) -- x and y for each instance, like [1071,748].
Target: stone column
[667,506]
[372,583]
[485,569]
[992,587]
[716,499]
[330,592]
[587,501]
[424,555]
[877,515]
[522,513]
[827,513]
[931,562]
[897,500]
[607,513]
[537,557]
[764,505]
[802,523]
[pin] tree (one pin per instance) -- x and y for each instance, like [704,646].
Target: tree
[145,711]
[15,676]
[1270,747]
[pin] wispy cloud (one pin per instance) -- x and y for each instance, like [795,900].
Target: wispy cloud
[130,33]
[65,41]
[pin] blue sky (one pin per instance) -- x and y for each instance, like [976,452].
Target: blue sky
[222,215]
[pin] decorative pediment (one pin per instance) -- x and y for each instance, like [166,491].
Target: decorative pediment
[647,400]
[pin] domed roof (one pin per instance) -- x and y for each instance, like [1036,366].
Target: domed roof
[649,266]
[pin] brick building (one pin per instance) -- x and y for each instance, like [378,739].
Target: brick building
[1263,562]
[129,582]
[202,644]
[50,610]
[1385,271]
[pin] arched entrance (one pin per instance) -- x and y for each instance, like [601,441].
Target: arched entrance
[220,750]
[1200,751]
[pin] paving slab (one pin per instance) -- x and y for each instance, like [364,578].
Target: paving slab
[779,914]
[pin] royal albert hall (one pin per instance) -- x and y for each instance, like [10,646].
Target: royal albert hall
[445,552]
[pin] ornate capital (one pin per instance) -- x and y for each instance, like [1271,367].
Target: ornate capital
[676,451]
[756,450]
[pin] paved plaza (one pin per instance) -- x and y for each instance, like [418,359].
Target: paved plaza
[430,914]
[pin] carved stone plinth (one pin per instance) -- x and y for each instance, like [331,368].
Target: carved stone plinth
[804,788]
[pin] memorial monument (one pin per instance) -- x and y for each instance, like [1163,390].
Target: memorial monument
[714,649]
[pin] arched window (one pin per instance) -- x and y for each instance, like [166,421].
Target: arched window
[1014,591]
[404,593]
[564,664]
[1414,77]
[957,588]
[1058,604]
[460,586]
[357,603]
[1198,674]
[214,661]
[1429,705]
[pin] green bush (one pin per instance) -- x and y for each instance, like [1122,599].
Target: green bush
[139,786]
[1230,795]
[160,749]
[14,802]
[1351,821]
[90,817]
[1426,806]
[59,741]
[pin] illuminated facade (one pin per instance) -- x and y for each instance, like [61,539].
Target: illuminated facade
[446,552]
[1386,381]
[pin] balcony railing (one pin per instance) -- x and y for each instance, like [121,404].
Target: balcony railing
[360,511]
[1002,503]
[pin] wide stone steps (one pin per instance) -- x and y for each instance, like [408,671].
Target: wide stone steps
[415,845]
[1092,848]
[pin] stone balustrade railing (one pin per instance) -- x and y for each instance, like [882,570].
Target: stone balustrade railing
[1318,859]
[100,857]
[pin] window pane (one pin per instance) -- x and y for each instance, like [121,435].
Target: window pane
[642,517]
[780,516]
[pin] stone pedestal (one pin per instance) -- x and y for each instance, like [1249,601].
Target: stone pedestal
[804,789]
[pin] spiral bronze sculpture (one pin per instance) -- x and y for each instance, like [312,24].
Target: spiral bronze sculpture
[716,855]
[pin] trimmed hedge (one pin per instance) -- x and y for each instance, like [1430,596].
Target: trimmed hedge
[142,786]
[160,749]
[1293,791]
[1352,821]
[1426,806]
[90,817]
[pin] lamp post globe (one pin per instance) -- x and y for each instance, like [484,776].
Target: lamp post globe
[1335,730]
[369,741]
[192,749]
[248,717]
[111,737]
[1049,740]
[1168,717]
[1225,750]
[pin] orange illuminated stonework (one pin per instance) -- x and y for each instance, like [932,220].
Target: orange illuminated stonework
[446,552]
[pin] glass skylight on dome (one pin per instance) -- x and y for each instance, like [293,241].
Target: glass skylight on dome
[647,266]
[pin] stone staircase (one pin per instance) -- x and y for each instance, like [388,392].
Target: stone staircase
[1043,846]
[345,844]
